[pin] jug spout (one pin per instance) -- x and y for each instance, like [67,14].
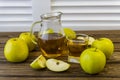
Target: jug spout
[55,15]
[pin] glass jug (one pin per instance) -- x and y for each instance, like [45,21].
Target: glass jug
[51,37]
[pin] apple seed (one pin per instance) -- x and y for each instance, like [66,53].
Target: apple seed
[57,63]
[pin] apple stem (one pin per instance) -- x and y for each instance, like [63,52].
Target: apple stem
[14,39]
[95,49]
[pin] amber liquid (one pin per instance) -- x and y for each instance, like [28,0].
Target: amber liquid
[76,47]
[51,44]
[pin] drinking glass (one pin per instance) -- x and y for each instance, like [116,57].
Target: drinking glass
[76,46]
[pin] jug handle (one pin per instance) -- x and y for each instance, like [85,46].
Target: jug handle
[32,32]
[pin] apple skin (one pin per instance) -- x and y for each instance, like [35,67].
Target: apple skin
[16,50]
[92,60]
[105,45]
[69,33]
[27,38]
[49,31]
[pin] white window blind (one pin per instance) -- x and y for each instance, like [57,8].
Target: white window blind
[89,14]
[15,15]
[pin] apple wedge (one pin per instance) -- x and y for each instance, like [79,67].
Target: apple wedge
[39,62]
[91,40]
[57,65]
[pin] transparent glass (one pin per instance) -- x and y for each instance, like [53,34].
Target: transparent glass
[76,46]
[51,37]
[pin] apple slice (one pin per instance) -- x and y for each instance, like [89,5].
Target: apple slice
[39,62]
[91,40]
[57,65]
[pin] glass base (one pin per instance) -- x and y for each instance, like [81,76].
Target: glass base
[73,59]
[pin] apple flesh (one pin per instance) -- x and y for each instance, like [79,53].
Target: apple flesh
[28,39]
[16,50]
[57,65]
[92,60]
[105,45]
[91,40]
[38,63]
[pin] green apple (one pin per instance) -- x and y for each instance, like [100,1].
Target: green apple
[57,65]
[28,39]
[105,45]
[38,63]
[92,60]
[49,31]
[69,33]
[16,50]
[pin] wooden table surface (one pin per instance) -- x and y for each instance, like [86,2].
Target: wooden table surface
[22,71]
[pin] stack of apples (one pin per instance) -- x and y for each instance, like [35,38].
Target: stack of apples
[93,59]
[17,49]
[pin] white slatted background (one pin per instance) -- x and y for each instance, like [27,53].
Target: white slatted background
[15,15]
[89,14]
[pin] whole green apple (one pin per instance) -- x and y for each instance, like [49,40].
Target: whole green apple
[49,31]
[69,33]
[28,39]
[105,45]
[16,50]
[92,60]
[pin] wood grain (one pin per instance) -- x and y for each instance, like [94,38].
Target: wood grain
[22,71]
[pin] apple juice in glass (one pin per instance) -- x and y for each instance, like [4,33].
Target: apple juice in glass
[51,37]
[76,46]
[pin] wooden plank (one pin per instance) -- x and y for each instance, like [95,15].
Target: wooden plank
[57,78]
[100,32]
[116,47]
[9,34]
[32,55]
[115,39]
[103,32]
[90,32]
[23,69]
[116,43]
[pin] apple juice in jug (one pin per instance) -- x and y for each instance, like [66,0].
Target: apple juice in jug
[51,44]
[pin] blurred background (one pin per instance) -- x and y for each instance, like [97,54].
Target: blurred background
[18,15]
